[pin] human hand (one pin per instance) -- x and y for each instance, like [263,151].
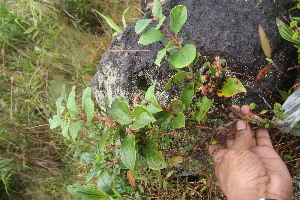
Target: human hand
[248,168]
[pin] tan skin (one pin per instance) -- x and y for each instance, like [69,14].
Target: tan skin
[248,168]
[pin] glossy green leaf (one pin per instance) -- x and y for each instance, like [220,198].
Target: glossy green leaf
[55,121]
[151,35]
[88,104]
[160,55]
[178,121]
[153,107]
[110,22]
[178,17]
[157,10]
[231,87]
[120,111]
[128,151]
[141,25]
[203,107]
[71,104]
[264,42]
[87,192]
[74,129]
[142,117]
[154,157]
[184,57]
[187,94]
[177,79]
[105,182]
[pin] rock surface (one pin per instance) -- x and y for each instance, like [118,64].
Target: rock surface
[217,27]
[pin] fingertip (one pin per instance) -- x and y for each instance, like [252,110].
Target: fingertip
[213,148]
[236,107]
[246,110]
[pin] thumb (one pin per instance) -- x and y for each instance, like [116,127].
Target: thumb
[243,136]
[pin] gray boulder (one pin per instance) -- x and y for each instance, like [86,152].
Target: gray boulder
[228,29]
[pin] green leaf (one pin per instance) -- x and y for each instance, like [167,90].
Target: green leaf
[154,158]
[177,79]
[178,17]
[162,118]
[105,182]
[74,129]
[65,128]
[87,157]
[264,42]
[178,121]
[110,22]
[142,117]
[263,112]
[63,93]
[141,25]
[293,24]
[59,108]
[203,107]
[94,171]
[153,107]
[286,32]
[160,23]
[295,35]
[103,141]
[71,104]
[184,57]
[87,192]
[252,105]
[151,35]
[283,94]
[123,18]
[88,104]
[120,111]
[128,152]
[177,106]
[55,121]
[187,94]
[160,55]
[157,10]
[231,87]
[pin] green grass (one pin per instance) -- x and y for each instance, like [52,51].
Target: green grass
[42,47]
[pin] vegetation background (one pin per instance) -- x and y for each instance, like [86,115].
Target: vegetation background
[43,44]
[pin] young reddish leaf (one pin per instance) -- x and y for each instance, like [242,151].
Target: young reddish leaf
[130,178]
[264,42]
[231,87]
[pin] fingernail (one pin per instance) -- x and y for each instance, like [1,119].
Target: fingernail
[241,125]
